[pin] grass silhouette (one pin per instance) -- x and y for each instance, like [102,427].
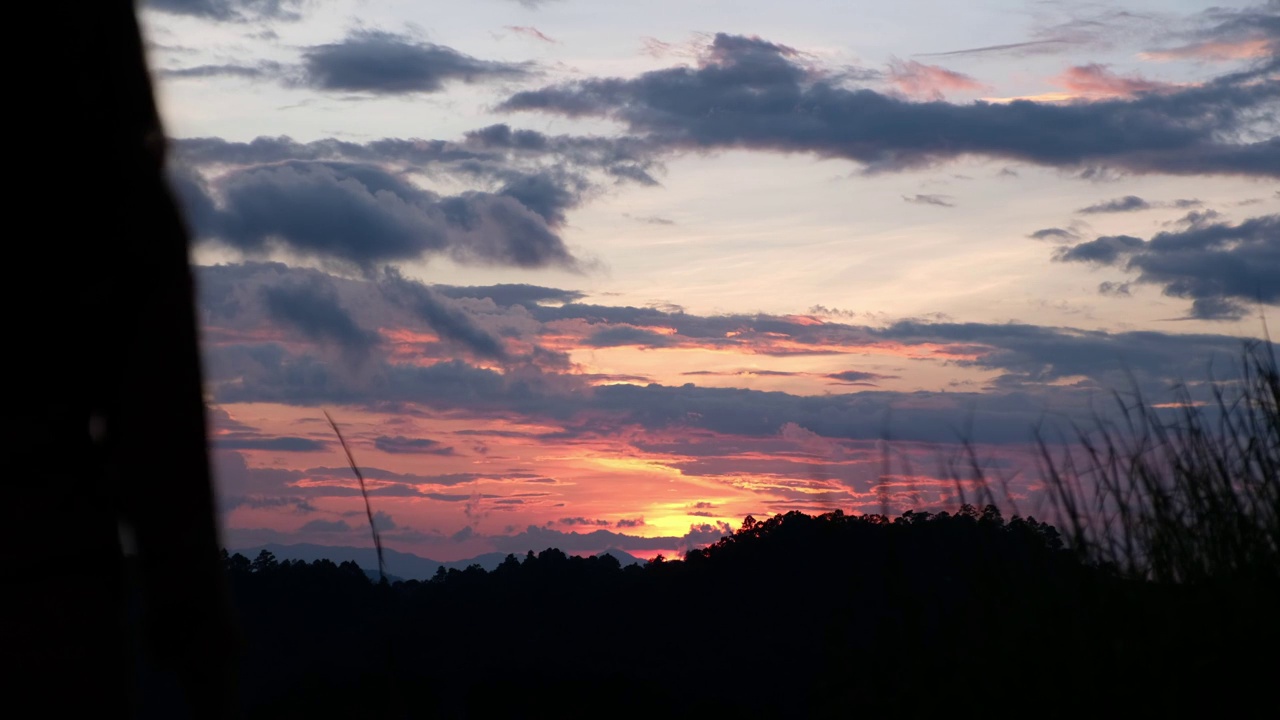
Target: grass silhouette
[1187,492]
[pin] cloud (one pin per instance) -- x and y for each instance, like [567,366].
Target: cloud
[622,336]
[260,70]
[1028,368]
[383,521]
[230,10]
[1096,81]
[939,200]
[537,538]
[276,444]
[386,63]
[931,82]
[857,377]
[450,322]
[1113,289]
[400,445]
[326,526]
[1128,203]
[511,294]
[748,93]
[531,32]
[299,505]
[1054,233]
[1029,47]
[582,521]
[364,215]
[312,308]
[1228,34]
[1099,29]
[1216,265]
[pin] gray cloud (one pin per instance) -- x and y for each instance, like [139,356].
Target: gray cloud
[277,444]
[253,72]
[511,294]
[1104,250]
[326,526]
[1055,233]
[538,538]
[312,308]
[1128,203]
[940,200]
[1218,266]
[857,377]
[747,93]
[364,215]
[1220,33]
[353,201]
[386,63]
[1035,369]
[230,10]
[400,445]
[451,323]
[620,336]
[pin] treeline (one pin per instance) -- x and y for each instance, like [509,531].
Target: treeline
[795,615]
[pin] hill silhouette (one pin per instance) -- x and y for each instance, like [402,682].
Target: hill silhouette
[795,615]
[401,565]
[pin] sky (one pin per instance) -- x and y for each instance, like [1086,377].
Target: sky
[596,274]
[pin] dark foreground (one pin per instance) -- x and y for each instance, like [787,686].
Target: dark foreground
[832,615]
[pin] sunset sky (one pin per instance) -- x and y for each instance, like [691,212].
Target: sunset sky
[592,273]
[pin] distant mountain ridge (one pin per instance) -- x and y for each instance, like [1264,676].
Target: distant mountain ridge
[399,565]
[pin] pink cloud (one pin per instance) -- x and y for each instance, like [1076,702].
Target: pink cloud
[1096,81]
[1214,50]
[531,32]
[918,80]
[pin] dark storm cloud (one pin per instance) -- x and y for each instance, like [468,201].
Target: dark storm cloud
[747,93]
[386,63]
[1218,266]
[312,308]
[400,445]
[451,323]
[1128,203]
[229,10]
[364,215]
[511,294]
